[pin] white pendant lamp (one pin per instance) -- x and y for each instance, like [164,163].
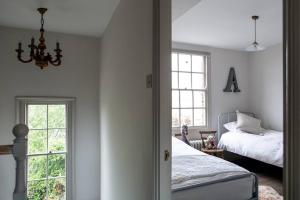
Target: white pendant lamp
[255,46]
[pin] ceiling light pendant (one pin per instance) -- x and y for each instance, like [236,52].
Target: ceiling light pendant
[37,52]
[255,46]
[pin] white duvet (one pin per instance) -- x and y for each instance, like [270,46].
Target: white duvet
[191,167]
[267,148]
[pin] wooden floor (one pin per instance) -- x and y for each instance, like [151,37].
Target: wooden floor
[267,174]
[268,180]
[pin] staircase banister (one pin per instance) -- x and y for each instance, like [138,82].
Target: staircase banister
[19,151]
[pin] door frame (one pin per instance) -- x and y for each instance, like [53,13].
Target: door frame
[161,87]
[291,83]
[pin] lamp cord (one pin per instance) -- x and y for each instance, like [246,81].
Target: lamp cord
[255,31]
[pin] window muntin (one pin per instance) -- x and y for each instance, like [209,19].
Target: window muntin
[47,150]
[189,89]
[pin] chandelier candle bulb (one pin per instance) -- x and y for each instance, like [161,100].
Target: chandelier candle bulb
[37,52]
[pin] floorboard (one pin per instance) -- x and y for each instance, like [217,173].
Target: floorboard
[267,174]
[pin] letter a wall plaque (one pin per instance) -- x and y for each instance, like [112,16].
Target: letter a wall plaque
[232,81]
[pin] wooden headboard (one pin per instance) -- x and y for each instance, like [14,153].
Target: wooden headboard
[226,118]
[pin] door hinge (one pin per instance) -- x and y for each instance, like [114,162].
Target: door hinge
[167,155]
[149,81]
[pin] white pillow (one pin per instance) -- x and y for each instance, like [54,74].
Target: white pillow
[231,126]
[249,124]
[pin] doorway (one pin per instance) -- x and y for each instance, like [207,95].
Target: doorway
[283,71]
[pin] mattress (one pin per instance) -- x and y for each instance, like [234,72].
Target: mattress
[197,175]
[267,148]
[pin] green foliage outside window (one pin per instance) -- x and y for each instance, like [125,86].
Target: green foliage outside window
[46,173]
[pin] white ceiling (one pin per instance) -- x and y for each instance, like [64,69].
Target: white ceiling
[179,7]
[228,24]
[219,23]
[84,17]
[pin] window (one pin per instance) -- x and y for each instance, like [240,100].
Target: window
[189,89]
[49,147]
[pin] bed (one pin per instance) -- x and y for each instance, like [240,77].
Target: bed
[196,175]
[267,148]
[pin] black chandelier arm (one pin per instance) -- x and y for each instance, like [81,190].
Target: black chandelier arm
[57,60]
[20,51]
[58,56]
[20,57]
[24,61]
[56,64]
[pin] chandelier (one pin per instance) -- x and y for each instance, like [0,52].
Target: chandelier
[255,46]
[37,52]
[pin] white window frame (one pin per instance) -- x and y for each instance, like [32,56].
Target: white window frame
[21,106]
[206,90]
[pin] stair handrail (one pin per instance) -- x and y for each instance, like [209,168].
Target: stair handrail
[19,151]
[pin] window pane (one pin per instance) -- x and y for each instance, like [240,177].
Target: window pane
[57,116]
[37,141]
[198,81]
[186,117]
[174,62]
[199,117]
[198,63]
[185,62]
[36,190]
[186,99]
[57,189]
[37,116]
[199,99]
[37,166]
[175,80]
[57,165]
[175,118]
[185,80]
[57,140]
[175,99]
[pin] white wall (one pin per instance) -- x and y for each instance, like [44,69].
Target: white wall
[126,104]
[221,61]
[77,77]
[260,78]
[266,83]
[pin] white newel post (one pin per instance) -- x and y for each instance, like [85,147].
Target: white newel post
[20,131]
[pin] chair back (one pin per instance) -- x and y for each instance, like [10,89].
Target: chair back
[184,133]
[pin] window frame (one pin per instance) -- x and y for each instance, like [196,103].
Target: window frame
[206,90]
[21,103]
